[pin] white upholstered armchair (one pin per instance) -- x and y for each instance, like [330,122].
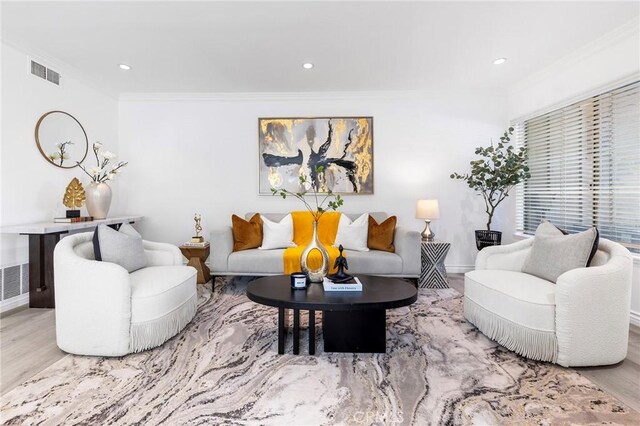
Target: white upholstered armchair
[581,320]
[101,309]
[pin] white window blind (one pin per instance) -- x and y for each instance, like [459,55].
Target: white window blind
[584,161]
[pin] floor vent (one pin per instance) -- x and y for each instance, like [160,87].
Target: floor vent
[11,282]
[15,281]
[45,73]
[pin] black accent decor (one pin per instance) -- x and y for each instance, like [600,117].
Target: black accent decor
[340,264]
[96,245]
[72,213]
[486,238]
[594,248]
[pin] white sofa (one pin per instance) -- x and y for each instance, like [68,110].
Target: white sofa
[581,320]
[405,262]
[103,310]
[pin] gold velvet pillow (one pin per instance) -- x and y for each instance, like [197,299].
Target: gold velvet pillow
[381,235]
[246,235]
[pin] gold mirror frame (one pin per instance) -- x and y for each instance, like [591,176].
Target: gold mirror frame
[46,157]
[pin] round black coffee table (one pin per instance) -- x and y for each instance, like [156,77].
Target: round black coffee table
[351,321]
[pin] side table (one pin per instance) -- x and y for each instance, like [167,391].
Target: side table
[433,273]
[197,256]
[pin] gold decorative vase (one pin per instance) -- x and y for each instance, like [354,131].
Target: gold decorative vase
[98,200]
[315,275]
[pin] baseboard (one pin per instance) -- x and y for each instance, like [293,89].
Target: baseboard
[459,269]
[634,318]
[14,302]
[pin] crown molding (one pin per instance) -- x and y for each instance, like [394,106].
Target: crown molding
[65,69]
[627,30]
[628,79]
[305,96]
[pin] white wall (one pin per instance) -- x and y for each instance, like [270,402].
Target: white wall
[608,61]
[201,155]
[32,189]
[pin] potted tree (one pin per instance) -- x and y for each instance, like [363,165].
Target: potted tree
[493,175]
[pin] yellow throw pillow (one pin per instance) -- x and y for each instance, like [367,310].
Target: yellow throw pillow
[246,234]
[381,235]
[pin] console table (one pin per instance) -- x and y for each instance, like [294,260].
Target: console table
[43,237]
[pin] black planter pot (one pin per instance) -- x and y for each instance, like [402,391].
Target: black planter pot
[486,238]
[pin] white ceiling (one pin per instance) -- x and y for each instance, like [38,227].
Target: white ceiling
[260,47]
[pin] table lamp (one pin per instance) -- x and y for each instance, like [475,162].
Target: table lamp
[427,210]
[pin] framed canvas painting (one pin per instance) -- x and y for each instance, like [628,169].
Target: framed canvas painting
[343,146]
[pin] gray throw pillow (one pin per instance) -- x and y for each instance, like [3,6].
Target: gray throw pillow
[123,247]
[554,253]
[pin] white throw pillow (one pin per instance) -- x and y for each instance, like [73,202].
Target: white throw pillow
[277,235]
[353,235]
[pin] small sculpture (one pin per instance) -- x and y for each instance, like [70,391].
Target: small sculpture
[198,238]
[74,198]
[340,264]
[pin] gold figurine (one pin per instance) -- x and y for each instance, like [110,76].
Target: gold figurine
[198,238]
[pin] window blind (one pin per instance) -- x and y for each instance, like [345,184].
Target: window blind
[584,161]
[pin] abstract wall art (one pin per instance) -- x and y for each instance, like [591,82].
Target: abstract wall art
[289,147]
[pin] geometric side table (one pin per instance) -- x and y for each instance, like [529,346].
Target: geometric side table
[433,273]
[197,256]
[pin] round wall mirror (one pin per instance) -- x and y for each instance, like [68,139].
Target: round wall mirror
[61,139]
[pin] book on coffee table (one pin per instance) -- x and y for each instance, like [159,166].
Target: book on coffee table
[351,285]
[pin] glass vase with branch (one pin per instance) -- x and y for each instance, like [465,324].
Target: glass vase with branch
[324,201]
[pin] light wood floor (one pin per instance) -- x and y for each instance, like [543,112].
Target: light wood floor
[28,346]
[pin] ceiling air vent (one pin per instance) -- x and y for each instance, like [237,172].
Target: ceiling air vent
[45,73]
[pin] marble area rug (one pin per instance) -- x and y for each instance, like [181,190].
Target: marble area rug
[224,369]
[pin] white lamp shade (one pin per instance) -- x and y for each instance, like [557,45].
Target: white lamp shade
[427,209]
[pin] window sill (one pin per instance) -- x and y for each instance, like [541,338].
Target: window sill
[522,235]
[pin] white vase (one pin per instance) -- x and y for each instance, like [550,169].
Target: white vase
[98,200]
[315,275]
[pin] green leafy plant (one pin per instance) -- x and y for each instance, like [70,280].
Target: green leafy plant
[499,169]
[323,201]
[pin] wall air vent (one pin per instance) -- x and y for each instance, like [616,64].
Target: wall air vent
[45,73]
[53,77]
[38,70]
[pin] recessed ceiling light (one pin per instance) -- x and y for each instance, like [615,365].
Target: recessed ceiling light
[499,61]
[124,67]
[307,65]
